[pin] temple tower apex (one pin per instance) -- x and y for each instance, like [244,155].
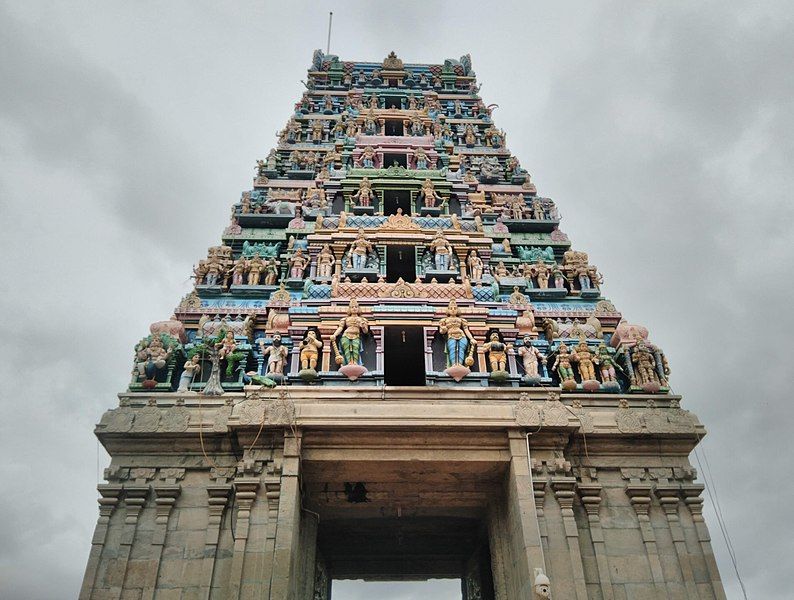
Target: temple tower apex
[395,365]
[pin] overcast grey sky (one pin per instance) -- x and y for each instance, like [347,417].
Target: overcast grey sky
[665,132]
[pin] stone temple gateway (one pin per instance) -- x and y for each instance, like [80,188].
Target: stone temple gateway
[395,366]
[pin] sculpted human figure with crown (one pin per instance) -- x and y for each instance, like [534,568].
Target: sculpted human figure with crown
[458,340]
[349,346]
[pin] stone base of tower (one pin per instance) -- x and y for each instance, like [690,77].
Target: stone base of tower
[275,497]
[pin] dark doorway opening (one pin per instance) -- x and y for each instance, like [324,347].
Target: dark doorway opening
[403,356]
[400,262]
[394,127]
[394,199]
[392,102]
[390,160]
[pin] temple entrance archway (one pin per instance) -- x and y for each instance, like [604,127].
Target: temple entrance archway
[397,506]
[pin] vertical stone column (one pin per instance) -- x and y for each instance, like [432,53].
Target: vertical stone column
[539,482]
[565,492]
[640,496]
[590,493]
[165,495]
[668,498]
[218,499]
[245,489]
[691,494]
[522,522]
[135,496]
[109,495]
[283,581]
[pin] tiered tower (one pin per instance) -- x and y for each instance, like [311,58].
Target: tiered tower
[396,366]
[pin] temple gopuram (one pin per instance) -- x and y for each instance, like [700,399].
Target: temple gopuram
[396,366]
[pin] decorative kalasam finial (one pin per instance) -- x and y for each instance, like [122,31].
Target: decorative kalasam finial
[392,63]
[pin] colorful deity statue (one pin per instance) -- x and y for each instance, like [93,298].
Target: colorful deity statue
[469,137]
[562,363]
[227,348]
[349,332]
[416,126]
[530,356]
[441,250]
[606,363]
[359,251]
[428,194]
[271,271]
[239,271]
[496,350]
[475,264]
[325,262]
[315,197]
[364,195]
[646,368]
[584,358]
[255,266]
[420,156]
[558,277]
[541,273]
[276,355]
[191,368]
[297,264]
[370,125]
[368,158]
[310,350]
[458,338]
[501,270]
[151,356]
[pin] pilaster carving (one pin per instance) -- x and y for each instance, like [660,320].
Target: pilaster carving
[590,494]
[640,497]
[109,496]
[565,492]
[691,493]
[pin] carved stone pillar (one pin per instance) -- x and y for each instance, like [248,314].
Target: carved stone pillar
[668,498]
[283,582]
[219,494]
[135,496]
[640,496]
[165,496]
[245,489]
[521,515]
[565,492]
[691,494]
[539,481]
[590,493]
[109,495]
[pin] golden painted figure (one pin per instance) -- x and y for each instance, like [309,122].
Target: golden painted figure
[586,361]
[458,337]
[310,350]
[351,328]
[497,352]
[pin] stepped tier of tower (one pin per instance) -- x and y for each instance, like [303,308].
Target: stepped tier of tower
[391,237]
